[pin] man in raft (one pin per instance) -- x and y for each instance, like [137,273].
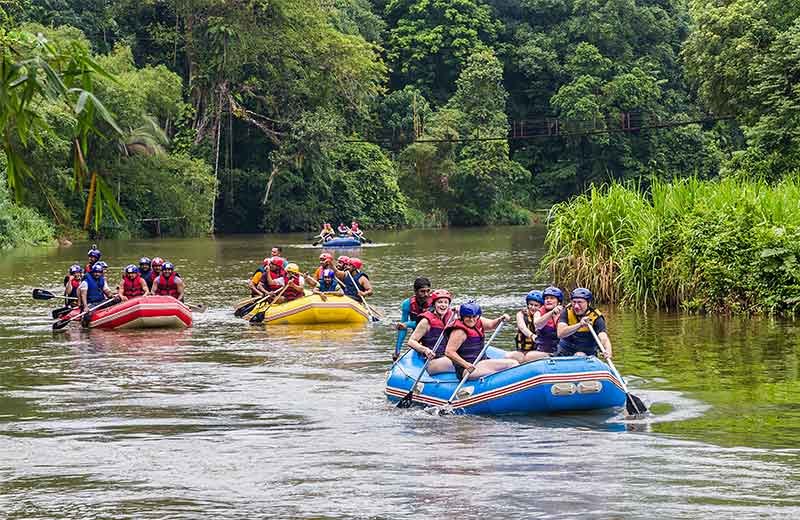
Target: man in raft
[71,284]
[94,255]
[94,289]
[156,265]
[294,284]
[255,278]
[355,232]
[133,284]
[411,310]
[575,337]
[146,271]
[169,283]
[428,332]
[328,285]
[465,339]
[356,282]
[273,278]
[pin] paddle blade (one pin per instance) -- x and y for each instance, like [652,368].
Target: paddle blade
[57,313]
[199,308]
[407,400]
[634,405]
[245,309]
[41,294]
[258,318]
[60,324]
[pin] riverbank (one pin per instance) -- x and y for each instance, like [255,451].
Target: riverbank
[727,246]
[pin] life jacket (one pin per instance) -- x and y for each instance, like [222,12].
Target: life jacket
[148,278]
[270,280]
[328,287]
[547,337]
[132,288]
[523,342]
[351,289]
[94,292]
[291,293]
[88,268]
[72,284]
[167,286]
[415,310]
[582,340]
[436,326]
[472,346]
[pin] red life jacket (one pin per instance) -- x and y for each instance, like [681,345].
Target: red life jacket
[415,310]
[435,327]
[133,288]
[167,286]
[473,345]
[268,277]
[291,293]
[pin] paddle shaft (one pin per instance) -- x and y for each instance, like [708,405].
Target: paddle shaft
[608,360]
[410,395]
[477,359]
[363,300]
[44,294]
[60,324]
[264,312]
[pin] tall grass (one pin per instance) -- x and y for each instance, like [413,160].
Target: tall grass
[724,246]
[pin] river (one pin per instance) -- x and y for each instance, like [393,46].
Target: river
[229,421]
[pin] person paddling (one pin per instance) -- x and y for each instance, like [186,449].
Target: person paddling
[294,284]
[356,282]
[325,262]
[427,332]
[133,284]
[342,229]
[326,233]
[465,339]
[354,231]
[274,278]
[524,341]
[169,283]
[94,289]
[71,284]
[146,271]
[575,337]
[255,278]
[546,319]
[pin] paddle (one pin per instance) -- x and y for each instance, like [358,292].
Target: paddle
[448,408]
[363,300]
[408,399]
[633,405]
[197,307]
[43,294]
[57,313]
[60,324]
[259,317]
[245,309]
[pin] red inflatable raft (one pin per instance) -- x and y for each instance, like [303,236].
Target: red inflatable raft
[146,312]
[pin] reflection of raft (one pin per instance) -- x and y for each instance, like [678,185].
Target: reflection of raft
[545,386]
[146,312]
[312,309]
[342,241]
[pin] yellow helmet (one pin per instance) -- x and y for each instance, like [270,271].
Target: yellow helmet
[293,268]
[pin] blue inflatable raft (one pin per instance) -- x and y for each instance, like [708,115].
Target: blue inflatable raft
[342,241]
[545,386]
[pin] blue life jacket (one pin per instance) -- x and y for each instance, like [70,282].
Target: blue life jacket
[328,287]
[351,289]
[95,294]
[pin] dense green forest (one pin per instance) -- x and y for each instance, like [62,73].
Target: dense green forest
[272,115]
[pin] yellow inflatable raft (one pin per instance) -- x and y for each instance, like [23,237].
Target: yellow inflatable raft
[312,309]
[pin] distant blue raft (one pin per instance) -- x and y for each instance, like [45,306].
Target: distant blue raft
[545,386]
[342,241]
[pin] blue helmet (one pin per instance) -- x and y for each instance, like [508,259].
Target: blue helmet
[581,292]
[554,291]
[471,308]
[75,269]
[534,296]
[328,273]
[168,266]
[94,253]
[130,268]
[97,268]
[144,261]
[103,265]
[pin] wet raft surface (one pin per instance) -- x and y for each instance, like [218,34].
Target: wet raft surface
[227,420]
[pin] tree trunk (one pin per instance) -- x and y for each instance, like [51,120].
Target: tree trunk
[87,215]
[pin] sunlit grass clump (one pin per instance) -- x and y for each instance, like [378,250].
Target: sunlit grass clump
[720,246]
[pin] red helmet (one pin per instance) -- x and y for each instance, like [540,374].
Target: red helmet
[276,260]
[441,293]
[265,262]
[344,260]
[357,263]
[157,261]
[326,256]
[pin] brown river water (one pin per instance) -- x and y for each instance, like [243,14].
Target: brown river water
[229,421]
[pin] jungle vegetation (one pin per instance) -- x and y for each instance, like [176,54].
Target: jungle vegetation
[271,115]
